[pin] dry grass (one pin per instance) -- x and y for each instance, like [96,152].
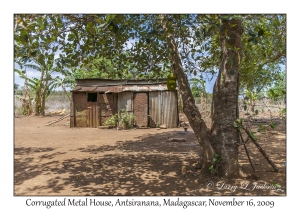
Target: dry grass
[57,102]
[53,102]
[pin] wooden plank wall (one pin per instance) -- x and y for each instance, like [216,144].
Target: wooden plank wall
[80,103]
[107,106]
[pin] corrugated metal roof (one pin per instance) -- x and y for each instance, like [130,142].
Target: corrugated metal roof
[84,89]
[141,88]
[110,82]
[122,88]
[115,89]
[101,89]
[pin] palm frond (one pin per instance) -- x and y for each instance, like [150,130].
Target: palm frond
[20,73]
[35,67]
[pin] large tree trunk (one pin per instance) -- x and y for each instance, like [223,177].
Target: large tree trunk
[224,137]
[189,108]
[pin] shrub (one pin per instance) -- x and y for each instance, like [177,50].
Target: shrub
[127,119]
[112,121]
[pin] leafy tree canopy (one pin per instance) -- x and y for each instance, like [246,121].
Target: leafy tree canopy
[135,46]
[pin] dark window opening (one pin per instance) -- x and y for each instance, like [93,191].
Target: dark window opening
[92,97]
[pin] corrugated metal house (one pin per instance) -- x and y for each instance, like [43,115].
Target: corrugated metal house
[95,100]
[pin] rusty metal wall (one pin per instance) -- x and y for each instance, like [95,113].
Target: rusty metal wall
[163,109]
[125,101]
[140,109]
[80,103]
[155,109]
[170,109]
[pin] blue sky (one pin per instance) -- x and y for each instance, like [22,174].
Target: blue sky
[33,73]
[30,73]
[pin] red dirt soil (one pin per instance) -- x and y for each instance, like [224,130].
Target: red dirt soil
[58,160]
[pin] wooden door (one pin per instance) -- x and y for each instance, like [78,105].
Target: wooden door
[80,103]
[92,118]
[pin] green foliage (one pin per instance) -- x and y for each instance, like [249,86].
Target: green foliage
[238,123]
[16,87]
[252,136]
[212,169]
[215,164]
[197,86]
[43,62]
[278,186]
[264,51]
[278,89]
[171,82]
[273,125]
[283,113]
[235,124]
[127,119]
[135,46]
[112,121]
[19,92]
[262,128]
[251,95]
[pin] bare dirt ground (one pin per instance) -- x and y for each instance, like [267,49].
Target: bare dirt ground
[58,160]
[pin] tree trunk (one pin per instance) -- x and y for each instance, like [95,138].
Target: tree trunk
[29,112]
[63,87]
[44,95]
[252,105]
[224,137]
[29,108]
[189,108]
[38,95]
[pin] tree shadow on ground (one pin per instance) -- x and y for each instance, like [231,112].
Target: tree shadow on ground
[149,166]
[127,175]
[159,143]
[24,166]
[95,150]
[25,151]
